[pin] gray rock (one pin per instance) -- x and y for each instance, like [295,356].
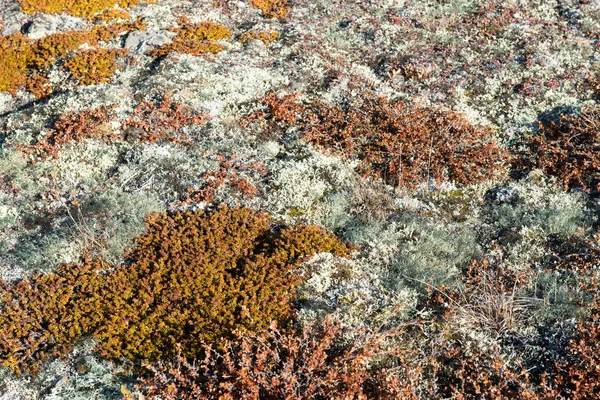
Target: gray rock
[11,18]
[45,24]
[143,41]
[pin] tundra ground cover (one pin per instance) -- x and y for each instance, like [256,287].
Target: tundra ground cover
[299,199]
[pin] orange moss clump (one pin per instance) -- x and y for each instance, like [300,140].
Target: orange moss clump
[112,14]
[73,127]
[403,144]
[267,37]
[13,62]
[191,279]
[195,39]
[96,66]
[271,8]
[21,57]
[163,121]
[37,319]
[77,8]
[567,149]
[198,277]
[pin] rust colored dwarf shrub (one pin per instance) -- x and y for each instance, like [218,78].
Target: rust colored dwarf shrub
[77,8]
[191,278]
[578,377]
[194,39]
[150,122]
[409,363]
[73,127]
[310,364]
[567,149]
[271,8]
[459,375]
[267,37]
[21,57]
[95,66]
[163,121]
[226,173]
[403,144]
[39,85]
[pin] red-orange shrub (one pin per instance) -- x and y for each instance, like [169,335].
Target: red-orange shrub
[404,145]
[310,364]
[227,173]
[459,375]
[153,122]
[566,149]
[578,376]
[73,127]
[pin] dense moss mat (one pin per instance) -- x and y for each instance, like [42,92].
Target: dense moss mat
[192,278]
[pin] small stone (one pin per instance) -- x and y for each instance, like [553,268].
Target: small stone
[143,41]
[42,25]
[270,148]
[82,368]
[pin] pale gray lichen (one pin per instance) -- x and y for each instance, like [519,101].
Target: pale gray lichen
[315,189]
[353,291]
[79,375]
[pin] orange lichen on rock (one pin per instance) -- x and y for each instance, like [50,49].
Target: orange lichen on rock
[403,144]
[94,66]
[77,8]
[73,127]
[271,8]
[21,57]
[163,121]
[192,278]
[195,39]
[267,37]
